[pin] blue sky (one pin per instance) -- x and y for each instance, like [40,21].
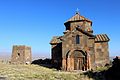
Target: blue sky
[35,22]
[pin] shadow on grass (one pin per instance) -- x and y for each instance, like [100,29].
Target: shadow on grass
[112,73]
[46,63]
[43,62]
[3,78]
[95,75]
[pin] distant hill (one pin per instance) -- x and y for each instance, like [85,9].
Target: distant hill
[35,56]
[112,57]
[5,55]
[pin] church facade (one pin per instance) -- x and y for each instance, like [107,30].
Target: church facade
[79,48]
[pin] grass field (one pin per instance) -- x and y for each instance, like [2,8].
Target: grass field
[35,72]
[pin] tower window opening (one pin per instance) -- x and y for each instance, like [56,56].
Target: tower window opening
[19,54]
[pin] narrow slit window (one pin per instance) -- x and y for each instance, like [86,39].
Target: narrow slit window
[19,54]
[77,39]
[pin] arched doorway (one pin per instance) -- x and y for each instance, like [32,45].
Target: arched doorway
[79,60]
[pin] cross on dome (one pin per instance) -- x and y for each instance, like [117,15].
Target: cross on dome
[77,11]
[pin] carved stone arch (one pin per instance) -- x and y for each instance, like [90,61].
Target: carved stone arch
[75,60]
[68,52]
[71,52]
[79,59]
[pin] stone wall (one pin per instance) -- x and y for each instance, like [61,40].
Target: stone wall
[101,53]
[69,46]
[21,55]
[57,55]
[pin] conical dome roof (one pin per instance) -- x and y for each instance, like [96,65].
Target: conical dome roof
[78,17]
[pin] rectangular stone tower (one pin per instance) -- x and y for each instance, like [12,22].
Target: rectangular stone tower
[21,54]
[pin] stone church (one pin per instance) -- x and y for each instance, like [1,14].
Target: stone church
[79,48]
[21,54]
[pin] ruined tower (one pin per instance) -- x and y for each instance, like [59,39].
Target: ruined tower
[21,54]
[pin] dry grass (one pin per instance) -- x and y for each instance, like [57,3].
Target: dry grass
[34,72]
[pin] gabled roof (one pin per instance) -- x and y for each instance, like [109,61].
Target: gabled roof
[56,40]
[78,17]
[101,38]
[79,29]
[85,32]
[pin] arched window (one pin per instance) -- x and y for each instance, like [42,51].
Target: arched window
[77,39]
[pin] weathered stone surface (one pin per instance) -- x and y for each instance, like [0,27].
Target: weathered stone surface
[21,55]
[78,48]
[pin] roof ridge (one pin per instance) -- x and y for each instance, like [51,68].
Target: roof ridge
[77,17]
[85,32]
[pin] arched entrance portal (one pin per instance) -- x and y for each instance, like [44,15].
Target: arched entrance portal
[79,60]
